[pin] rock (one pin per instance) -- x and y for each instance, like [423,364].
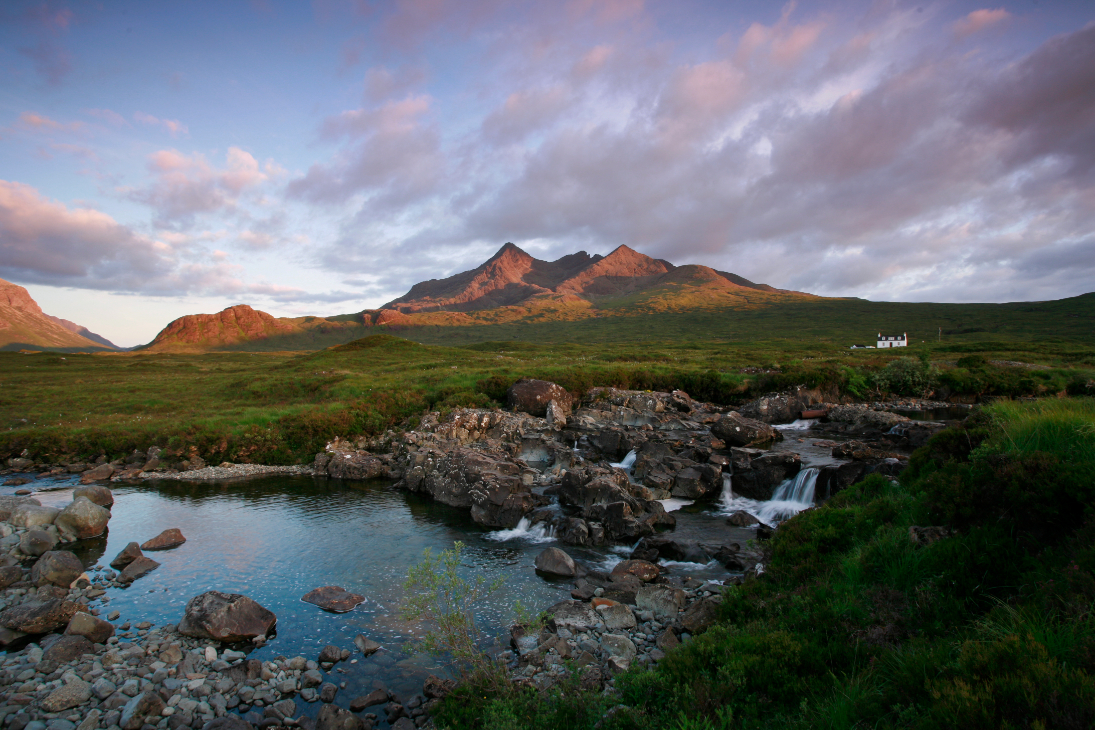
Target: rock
[864,420]
[225,617]
[788,406]
[129,553]
[617,617]
[554,561]
[367,646]
[403,723]
[140,567]
[667,640]
[683,551]
[331,717]
[641,569]
[82,519]
[75,692]
[10,574]
[97,493]
[56,567]
[357,465]
[67,648]
[330,654]
[435,688]
[333,599]
[165,540]
[619,648]
[555,414]
[327,692]
[737,430]
[16,482]
[311,678]
[764,474]
[571,615]
[38,618]
[376,697]
[94,629]
[228,722]
[700,615]
[100,473]
[661,600]
[831,480]
[145,705]
[741,518]
[37,542]
[533,396]
[33,515]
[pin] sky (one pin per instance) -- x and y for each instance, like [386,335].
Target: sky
[164,158]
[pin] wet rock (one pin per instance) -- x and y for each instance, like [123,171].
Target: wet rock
[661,600]
[533,396]
[311,678]
[764,474]
[139,568]
[33,515]
[667,548]
[82,519]
[831,480]
[330,654]
[225,617]
[97,493]
[367,646]
[67,648]
[37,542]
[788,406]
[331,717]
[376,697]
[165,540]
[641,569]
[741,518]
[327,692]
[861,419]
[56,567]
[333,598]
[737,430]
[74,693]
[100,473]
[554,561]
[572,615]
[94,629]
[129,553]
[145,706]
[700,615]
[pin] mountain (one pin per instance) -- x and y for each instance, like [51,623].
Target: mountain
[511,287]
[23,325]
[83,332]
[512,277]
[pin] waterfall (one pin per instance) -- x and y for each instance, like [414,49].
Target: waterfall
[727,497]
[790,498]
[800,489]
[627,463]
[540,532]
[800,424]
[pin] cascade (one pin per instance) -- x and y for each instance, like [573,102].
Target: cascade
[627,463]
[800,489]
[540,532]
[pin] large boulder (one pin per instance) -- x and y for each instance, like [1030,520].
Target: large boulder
[533,396]
[138,568]
[641,569]
[8,505]
[572,615]
[661,600]
[129,553]
[225,617]
[333,598]
[700,616]
[67,648]
[33,515]
[97,493]
[100,473]
[788,406]
[37,542]
[82,519]
[39,618]
[737,430]
[620,649]
[167,539]
[554,561]
[764,474]
[56,567]
[90,627]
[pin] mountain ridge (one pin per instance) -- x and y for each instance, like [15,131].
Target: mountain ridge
[23,324]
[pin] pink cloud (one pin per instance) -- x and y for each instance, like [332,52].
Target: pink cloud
[39,122]
[978,20]
[605,11]
[524,112]
[108,116]
[173,126]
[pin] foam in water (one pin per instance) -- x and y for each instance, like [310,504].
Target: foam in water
[790,498]
[801,424]
[627,463]
[537,533]
[673,503]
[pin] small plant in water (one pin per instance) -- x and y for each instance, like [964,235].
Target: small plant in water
[436,594]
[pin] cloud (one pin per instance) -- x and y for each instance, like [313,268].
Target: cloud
[978,20]
[524,112]
[110,117]
[185,186]
[173,126]
[33,121]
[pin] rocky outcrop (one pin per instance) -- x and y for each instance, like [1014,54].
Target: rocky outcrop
[533,397]
[230,326]
[737,430]
[39,618]
[765,471]
[225,617]
[788,406]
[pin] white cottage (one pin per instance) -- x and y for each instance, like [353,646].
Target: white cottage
[901,340]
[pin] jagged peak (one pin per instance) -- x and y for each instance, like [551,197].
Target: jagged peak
[510,251]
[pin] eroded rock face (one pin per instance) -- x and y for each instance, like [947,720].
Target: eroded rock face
[737,430]
[56,567]
[533,396]
[765,473]
[225,617]
[82,519]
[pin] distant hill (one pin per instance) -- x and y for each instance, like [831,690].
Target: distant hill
[23,325]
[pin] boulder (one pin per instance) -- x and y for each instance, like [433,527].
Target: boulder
[700,615]
[367,646]
[737,430]
[331,717]
[533,396]
[92,628]
[329,654]
[225,617]
[82,519]
[764,474]
[56,567]
[71,694]
[10,574]
[228,722]
[37,542]
[572,615]
[145,706]
[641,569]
[139,568]
[666,548]
[33,515]
[620,650]
[741,518]
[357,465]
[661,600]
[616,616]
[100,473]
[39,618]
[554,561]
[333,598]
[67,648]
[97,493]
[129,553]
[165,540]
